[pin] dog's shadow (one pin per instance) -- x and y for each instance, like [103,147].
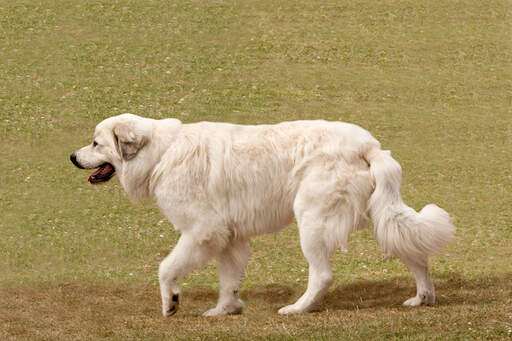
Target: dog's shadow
[451,289]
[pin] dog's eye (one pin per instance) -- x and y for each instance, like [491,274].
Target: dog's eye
[94,144]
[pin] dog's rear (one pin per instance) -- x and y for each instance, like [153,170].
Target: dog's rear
[332,201]
[402,231]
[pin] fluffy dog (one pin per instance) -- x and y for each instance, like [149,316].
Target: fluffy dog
[220,184]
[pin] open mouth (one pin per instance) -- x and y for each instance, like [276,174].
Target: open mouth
[102,174]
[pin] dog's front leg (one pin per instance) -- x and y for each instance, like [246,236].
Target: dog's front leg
[187,255]
[233,260]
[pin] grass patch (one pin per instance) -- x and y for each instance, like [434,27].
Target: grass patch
[432,81]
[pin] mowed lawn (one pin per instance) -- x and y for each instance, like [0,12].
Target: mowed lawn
[432,80]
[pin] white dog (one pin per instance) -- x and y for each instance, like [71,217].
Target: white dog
[220,184]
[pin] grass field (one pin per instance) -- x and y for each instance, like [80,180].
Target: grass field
[432,80]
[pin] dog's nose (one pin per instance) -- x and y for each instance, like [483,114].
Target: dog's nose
[72,157]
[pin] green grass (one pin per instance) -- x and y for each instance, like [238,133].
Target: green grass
[431,80]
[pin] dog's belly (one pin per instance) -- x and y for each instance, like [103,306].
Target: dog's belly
[236,210]
[260,215]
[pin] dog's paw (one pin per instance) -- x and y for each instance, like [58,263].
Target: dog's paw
[217,312]
[413,302]
[291,309]
[426,298]
[173,306]
[229,309]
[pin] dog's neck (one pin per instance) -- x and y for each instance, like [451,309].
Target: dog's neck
[163,135]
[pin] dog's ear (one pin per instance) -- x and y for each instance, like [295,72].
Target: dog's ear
[128,140]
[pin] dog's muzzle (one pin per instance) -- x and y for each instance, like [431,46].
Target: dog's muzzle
[72,157]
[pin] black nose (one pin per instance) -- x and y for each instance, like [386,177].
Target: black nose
[73,159]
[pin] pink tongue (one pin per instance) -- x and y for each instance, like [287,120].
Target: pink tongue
[102,171]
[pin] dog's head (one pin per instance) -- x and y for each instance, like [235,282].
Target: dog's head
[117,141]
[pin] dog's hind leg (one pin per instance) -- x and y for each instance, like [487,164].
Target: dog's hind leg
[187,255]
[329,206]
[233,260]
[425,292]
[317,253]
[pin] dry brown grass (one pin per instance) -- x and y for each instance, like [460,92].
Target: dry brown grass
[476,308]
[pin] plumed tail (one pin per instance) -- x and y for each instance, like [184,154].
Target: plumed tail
[399,229]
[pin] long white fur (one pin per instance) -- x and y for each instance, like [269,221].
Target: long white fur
[400,229]
[221,184]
